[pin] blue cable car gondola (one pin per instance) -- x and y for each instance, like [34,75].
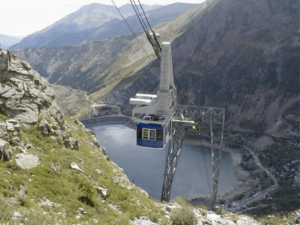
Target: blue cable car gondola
[152,135]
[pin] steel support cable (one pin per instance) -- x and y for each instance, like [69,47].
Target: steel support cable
[140,19]
[131,30]
[149,25]
[140,15]
[156,48]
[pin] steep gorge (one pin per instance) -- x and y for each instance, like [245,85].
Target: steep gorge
[240,55]
[54,171]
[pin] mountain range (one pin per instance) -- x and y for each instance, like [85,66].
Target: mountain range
[82,25]
[96,62]
[238,55]
[7,41]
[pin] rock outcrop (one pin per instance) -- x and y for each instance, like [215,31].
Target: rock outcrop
[24,94]
[30,100]
[9,137]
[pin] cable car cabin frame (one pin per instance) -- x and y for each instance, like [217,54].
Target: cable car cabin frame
[153,112]
[153,135]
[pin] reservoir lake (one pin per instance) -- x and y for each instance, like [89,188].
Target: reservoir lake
[145,167]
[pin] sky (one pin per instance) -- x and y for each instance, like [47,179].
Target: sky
[24,17]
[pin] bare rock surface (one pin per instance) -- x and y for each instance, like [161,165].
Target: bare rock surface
[27,161]
[5,150]
[28,99]
[24,93]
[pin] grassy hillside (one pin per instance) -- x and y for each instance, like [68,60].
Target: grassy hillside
[71,195]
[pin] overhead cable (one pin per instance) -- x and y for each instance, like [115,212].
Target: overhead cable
[138,14]
[149,25]
[131,30]
[155,45]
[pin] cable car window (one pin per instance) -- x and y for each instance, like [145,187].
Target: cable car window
[149,134]
[145,133]
[139,132]
[152,134]
[159,135]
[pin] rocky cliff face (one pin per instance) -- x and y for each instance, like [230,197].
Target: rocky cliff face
[27,99]
[24,94]
[243,56]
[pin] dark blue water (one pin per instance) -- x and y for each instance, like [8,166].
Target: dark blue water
[145,167]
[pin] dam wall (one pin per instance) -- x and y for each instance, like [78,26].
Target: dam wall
[95,121]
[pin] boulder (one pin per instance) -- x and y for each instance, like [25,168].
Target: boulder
[10,126]
[22,191]
[26,115]
[27,161]
[102,192]
[44,127]
[5,150]
[46,202]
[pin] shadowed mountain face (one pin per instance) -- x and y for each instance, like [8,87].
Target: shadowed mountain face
[241,55]
[76,27]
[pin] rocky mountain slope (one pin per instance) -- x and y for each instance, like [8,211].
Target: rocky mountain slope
[240,55]
[76,27]
[94,66]
[118,27]
[52,170]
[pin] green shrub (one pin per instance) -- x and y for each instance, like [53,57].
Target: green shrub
[203,213]
[182,201]
[165,221]
[183,216]
[153,217]
[89,192]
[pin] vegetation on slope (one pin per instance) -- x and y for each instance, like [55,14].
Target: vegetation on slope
[71,194]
